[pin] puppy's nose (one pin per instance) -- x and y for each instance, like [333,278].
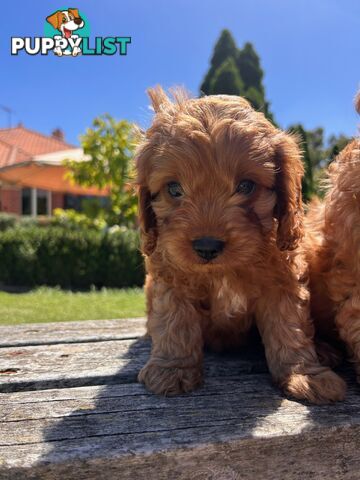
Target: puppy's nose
[208,247]
[78,21]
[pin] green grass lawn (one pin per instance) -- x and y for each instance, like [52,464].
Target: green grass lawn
[55,305]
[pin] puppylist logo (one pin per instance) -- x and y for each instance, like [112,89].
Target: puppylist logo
[67,33]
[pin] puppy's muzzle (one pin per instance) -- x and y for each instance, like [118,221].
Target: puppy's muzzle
[208,247]
[78,21]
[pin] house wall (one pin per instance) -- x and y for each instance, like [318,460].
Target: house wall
[57,200]
[10,199]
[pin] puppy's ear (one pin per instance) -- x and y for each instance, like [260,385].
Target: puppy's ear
[55,19]
[147,220]
[158,98]
[74,11]
[289,208]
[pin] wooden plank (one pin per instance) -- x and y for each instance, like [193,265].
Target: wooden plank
[237,426]
[119,398]
[316,456]
[71,332]
[80,364]
[231,428]
[142,413]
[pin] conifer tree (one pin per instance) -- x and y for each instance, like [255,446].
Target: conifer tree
[247,82]
[224,48]
[308,189]
[248,64]
[226,79]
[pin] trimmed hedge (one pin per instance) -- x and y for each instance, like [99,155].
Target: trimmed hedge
[81,258]
[7,220]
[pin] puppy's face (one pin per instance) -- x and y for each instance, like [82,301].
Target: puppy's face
[213,177]
[67,21]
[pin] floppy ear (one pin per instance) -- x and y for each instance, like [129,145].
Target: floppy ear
[147,217]
[147,220]
[74,11]
[289,208]
[55,20]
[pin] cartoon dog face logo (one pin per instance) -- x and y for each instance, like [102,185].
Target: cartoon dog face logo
[67,22]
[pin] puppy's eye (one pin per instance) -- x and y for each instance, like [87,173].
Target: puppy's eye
[175,189]
[64,20]
[246,187]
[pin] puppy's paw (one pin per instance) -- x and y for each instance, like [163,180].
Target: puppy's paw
[321,388]
[76,51]
[328,355]
[170,381]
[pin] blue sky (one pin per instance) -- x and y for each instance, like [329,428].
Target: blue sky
[310,52]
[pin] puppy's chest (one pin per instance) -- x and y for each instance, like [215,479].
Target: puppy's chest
[231,299]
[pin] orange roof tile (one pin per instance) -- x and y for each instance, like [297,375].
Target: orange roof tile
[10,155]
[5,153]
[19,143]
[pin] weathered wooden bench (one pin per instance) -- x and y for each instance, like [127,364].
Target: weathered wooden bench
[70,407]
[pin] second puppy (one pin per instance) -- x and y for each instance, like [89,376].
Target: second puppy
[333,246]
[221,221]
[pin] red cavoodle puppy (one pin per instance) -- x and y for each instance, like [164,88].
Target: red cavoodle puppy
[221,222]
[332,248]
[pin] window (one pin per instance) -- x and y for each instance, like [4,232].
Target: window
[42,202]
[72,202]
[82,203]
[35,201]
[26,201]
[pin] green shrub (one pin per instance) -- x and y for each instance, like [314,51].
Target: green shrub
[27,222]
[69,219]
[7,221]
[70,258]
[75,220]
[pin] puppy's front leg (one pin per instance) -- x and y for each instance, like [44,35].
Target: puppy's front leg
[348,323]
[287,334]
[175,364]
